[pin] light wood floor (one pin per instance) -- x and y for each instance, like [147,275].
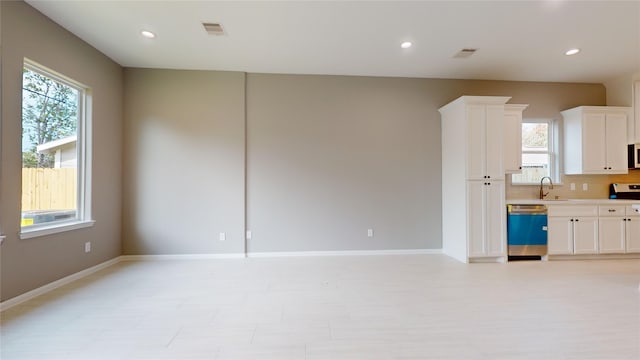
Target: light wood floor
[366,307]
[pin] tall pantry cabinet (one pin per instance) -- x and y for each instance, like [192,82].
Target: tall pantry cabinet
[473,185]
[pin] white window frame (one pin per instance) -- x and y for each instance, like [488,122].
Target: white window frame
[553,151]
[83,217]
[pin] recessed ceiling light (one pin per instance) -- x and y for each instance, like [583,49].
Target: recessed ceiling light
[148,34]
[572,52]
[406,44]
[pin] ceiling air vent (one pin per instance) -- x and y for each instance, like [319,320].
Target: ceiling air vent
[213,28]
[465,53]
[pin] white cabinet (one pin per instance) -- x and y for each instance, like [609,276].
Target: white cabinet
[572,229]
[593,229]
[632,228]
[560,235]
[487,215]
[619,229]
[512,148]
[484,139]
[612,234]
[595,140]
[473,212]
[612,229]
[585,235]
[572,235]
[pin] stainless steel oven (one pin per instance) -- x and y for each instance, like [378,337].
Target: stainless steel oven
[624,191]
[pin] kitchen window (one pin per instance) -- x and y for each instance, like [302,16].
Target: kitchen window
[539,155]
[55,153]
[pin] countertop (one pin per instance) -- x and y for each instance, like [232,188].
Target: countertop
[575,202]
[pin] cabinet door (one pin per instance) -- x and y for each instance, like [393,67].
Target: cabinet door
[616,140]
[594,143]
[512,139]
[585,235]
[494,141]
[633,235]
[496,218]
[476,140]
[611,235]
[476,218]
[560,235]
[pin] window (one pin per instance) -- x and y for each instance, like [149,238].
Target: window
[538,155]
[54,152]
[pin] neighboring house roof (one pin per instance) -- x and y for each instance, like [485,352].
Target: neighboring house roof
[52,146]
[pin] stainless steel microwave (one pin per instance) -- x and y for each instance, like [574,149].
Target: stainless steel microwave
[634,156]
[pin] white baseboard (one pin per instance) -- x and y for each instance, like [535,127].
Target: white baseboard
[345,253]
[56,284]
[181,257]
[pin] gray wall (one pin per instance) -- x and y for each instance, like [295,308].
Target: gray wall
[620,89]
[184,163]
[331,156]
[327,157]
[30,263]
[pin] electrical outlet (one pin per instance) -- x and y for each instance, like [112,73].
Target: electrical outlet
[585,187]
[223,236]
[573,186]
[87,247]
[248,234]
[369,232]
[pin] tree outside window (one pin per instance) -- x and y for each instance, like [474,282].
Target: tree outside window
[537,152]
[51,109]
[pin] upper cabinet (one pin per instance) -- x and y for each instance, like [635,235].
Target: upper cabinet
[512,147]
[595,140]
[478,124]
[485,125]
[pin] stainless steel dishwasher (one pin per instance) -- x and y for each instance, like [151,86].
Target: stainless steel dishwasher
[527,230]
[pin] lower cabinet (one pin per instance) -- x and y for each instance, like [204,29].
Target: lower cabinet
[572,235]
[593,229]
[487,219]
[632,227]
[612,234]
[633,235]
[572,229]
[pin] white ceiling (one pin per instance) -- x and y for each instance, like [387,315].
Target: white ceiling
[516,40]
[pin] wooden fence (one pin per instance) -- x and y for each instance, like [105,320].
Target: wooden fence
[49,189]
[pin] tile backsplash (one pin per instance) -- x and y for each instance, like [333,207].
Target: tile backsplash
[598,186]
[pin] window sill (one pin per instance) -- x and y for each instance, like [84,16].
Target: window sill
[54,229]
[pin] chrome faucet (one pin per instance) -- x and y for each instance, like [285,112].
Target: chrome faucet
[542,193]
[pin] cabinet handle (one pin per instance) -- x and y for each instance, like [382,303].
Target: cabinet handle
[624,219]
[612,210]
[577,219]
[571,220]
